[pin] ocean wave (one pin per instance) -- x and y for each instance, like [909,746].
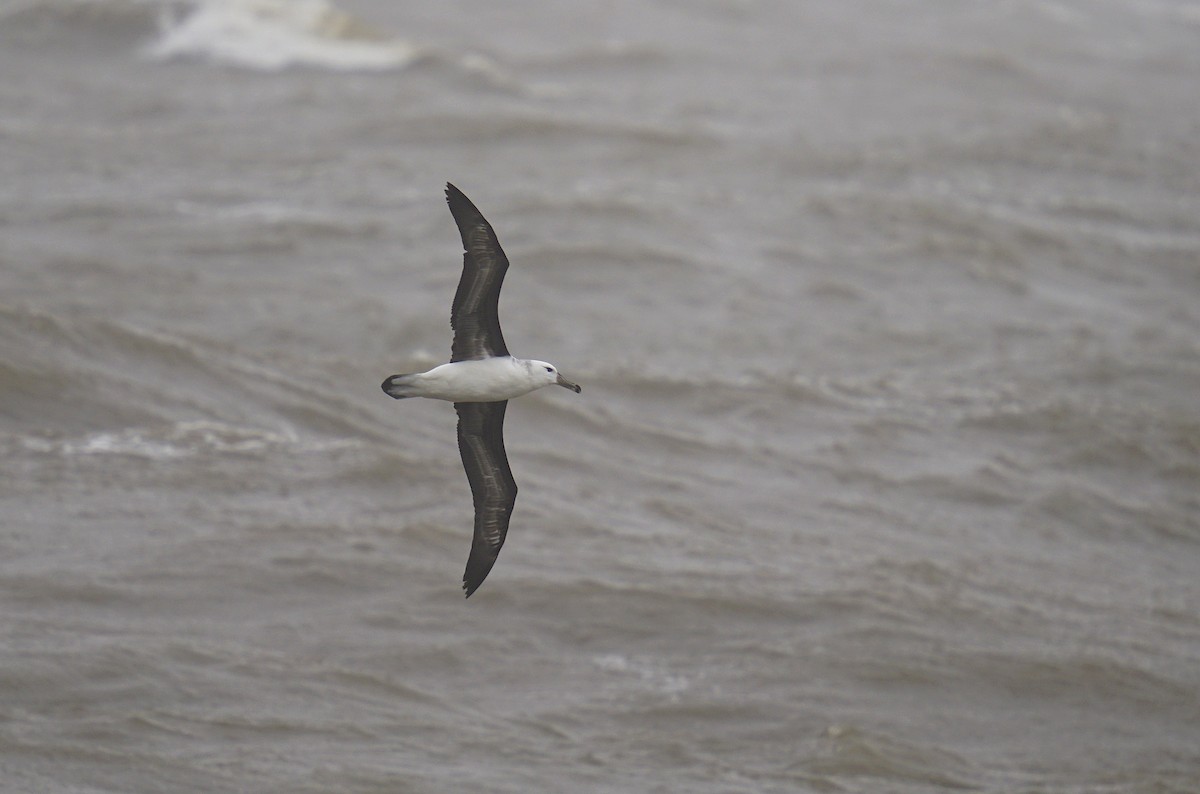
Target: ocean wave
[182,440]
[851,751]
[71,377]
[270,35]
[285,221]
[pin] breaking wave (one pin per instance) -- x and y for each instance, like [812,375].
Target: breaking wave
[277,34]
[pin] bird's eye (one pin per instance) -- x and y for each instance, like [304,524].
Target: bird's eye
[549,369]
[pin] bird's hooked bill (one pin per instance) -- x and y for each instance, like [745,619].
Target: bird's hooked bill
[575,387]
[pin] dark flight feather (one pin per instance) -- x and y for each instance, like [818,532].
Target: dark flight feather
[481,443]
[474,317]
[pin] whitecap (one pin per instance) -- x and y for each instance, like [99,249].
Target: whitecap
[275,34]
[184,440]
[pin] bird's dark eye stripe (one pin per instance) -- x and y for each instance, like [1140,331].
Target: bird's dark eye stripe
[549,369]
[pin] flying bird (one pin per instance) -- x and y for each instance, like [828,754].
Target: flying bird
[480,380]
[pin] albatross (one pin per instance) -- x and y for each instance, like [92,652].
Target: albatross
[480,380]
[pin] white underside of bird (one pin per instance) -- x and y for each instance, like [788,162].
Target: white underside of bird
[478,380]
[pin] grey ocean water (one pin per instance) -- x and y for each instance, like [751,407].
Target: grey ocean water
[885,476]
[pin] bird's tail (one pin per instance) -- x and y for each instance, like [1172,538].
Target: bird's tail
[400,386]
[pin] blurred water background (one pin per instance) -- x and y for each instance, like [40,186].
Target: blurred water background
[886,471]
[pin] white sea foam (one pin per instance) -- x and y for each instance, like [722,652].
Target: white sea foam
[275,34]
[182,440]
[650,673]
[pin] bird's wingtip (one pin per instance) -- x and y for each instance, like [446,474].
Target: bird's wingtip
[479,565]
[470,587]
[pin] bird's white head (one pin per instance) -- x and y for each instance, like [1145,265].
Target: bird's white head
[548,375]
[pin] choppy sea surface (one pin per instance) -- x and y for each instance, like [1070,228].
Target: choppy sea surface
[885,476]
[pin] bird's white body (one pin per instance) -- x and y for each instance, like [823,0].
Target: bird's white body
[477,381]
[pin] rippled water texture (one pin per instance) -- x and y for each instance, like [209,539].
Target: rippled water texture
[886,471]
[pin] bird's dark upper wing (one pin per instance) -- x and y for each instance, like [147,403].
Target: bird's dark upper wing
[481,442]
[473,318]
